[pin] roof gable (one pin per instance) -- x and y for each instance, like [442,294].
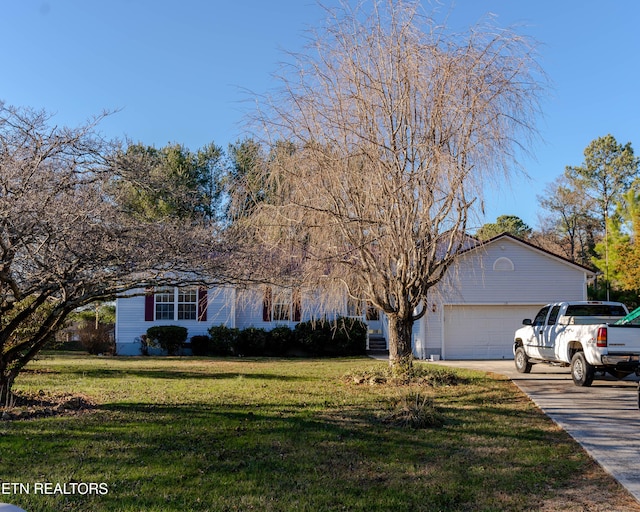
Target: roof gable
[530,246]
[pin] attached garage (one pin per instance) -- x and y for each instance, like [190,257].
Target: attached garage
[475,310]
[482,331]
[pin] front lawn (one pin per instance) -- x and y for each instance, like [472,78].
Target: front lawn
[189,434]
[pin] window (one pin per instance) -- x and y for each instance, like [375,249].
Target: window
[373,314]
[541,316]
[187,304]
[595,310]
[281,306]
[503,264]
[176,304]
[165,304]
[553,317]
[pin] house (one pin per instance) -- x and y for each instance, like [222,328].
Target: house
[195,308]
[473,314]
[198,309]
[486,295]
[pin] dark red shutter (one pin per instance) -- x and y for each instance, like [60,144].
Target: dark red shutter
[149,305]
[266,306]
[297,305]
[203,302]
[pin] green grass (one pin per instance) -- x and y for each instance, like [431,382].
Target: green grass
[181,434]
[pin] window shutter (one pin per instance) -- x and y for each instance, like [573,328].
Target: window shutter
[297,305]
[203,303]
[266,306]
[149,305]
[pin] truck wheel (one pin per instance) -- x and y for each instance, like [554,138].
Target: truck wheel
[582,372]
[522,361]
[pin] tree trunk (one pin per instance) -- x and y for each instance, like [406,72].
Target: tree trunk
[400,351]
[6,384]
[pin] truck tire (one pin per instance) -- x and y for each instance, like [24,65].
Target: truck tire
[523,365]
[582,372]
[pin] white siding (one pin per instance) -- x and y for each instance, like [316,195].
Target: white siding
[536,277]
[130,322]
[221,307]
[484,277]
[249,310]
[429,340]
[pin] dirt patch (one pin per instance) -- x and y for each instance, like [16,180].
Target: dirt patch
[43,404]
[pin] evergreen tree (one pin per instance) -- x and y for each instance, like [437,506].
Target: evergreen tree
[511,224]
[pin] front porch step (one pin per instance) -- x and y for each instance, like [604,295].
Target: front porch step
[378,345]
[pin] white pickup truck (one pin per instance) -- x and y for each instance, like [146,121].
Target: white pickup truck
[590,336]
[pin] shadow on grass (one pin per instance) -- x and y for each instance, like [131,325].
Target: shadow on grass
[333,453]
[204,456]
[166,374]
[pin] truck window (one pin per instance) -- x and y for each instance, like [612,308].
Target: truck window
[541,317]
[632,318]
[595,310]
[553,316]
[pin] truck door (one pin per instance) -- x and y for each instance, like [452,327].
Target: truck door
[548,342]
[536,347]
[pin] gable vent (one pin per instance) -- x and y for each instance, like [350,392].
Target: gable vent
[503,265]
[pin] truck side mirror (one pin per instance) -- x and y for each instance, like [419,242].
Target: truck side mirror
[526,321]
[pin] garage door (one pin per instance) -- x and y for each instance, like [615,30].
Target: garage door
[483,332]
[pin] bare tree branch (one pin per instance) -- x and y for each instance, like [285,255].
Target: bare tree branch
[66,240]
[396,127]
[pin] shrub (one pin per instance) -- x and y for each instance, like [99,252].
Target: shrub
[144,345]
[223,340]
[341,337]
[344,336]
[349,337]
[251,342]
[200,345]
[415,411]
[280,340]
[310,335]
[97,339]
[168,337]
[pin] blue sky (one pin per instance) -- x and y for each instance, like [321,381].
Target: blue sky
[179,71]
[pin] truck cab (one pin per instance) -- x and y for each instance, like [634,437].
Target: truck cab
[541,337]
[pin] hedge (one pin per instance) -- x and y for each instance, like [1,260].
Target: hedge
[342,337]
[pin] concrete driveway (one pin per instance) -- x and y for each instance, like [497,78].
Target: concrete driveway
[603,418]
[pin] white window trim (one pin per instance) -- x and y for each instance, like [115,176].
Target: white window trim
[176,303]
[503,264]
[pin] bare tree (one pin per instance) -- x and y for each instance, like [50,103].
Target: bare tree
[66,239]
[395,126]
